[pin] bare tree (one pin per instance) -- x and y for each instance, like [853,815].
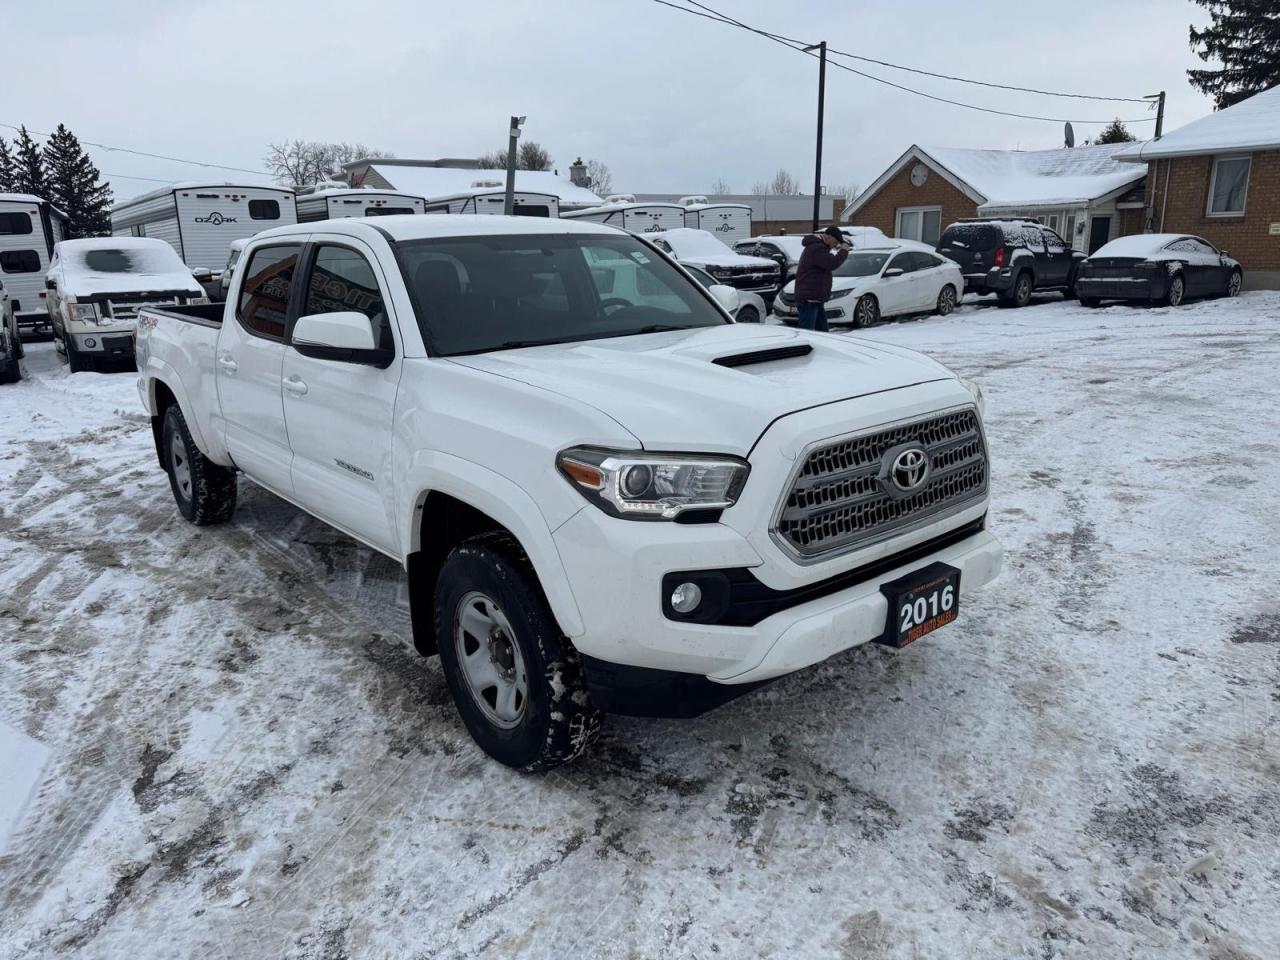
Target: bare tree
[846,190]
[310,161]
[600,177]
[530,156]
[720,187]
[782,184]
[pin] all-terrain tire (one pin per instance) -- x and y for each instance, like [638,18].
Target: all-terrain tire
[204,491]
[866,312]
[75,362]
[556,720]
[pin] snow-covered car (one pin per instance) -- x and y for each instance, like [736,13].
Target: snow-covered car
[10,342]
[1158,268]
[1012,258]
[750,307]
[702,249]
[95,287]
[872,284]
[607,495]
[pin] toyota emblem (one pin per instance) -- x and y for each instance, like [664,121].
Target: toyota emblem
[905,470]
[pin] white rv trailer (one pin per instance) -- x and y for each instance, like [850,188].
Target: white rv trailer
[29,227]
[633,217]
[334,204]
[199,220]
[489,198]
[728,221]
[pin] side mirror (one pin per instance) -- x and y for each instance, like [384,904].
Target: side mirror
[727,297]
[892,272]
[345,337]
[203,274]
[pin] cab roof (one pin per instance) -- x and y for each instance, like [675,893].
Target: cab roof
[417,226]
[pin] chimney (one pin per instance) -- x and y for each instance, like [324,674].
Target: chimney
[578,174]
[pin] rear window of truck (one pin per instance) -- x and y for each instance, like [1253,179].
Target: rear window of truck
[971,236]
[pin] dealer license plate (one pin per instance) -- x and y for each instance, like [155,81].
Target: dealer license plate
[920,603]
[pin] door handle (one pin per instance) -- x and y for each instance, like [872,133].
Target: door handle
[228,365]
[295,386]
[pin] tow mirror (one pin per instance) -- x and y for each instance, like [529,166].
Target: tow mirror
[727,297]
[345,337]
[893,272]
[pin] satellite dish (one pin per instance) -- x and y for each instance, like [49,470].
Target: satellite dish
[1070,135]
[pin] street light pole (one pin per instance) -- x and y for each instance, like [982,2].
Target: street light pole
[817,166]
[513,134]
[1159,98]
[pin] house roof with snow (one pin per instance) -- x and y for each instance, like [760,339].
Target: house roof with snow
[438,181]
[1252,124]
[997,179]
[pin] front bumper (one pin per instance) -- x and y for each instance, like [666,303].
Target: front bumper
[836,311]
[108,343]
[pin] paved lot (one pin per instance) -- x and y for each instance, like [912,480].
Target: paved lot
[217,743]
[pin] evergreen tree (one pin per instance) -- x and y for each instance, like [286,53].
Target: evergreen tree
[1244,36]
[28,166]
[73,183]
[1116,132]
[6,168]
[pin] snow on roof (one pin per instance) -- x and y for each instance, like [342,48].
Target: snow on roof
[1019,178]
[433,182]
[199,185]
[356,192]
[1137,245]
[411,226]
[29,198]
[1252,124]
[122,265]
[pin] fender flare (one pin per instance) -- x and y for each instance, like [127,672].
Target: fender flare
[506,503]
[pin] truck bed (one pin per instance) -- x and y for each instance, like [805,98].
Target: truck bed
[205,314]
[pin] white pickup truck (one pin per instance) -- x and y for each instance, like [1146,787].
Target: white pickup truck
[607,496]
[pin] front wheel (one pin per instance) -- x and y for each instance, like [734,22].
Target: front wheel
[946,300]
[515,679]
[748,314]
[204,491]
[75,362]
[866,311]
[1177,290]
[1233,283]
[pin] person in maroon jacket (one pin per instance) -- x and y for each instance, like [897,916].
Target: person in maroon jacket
[823,253]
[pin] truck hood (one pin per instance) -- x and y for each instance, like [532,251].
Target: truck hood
[667,390]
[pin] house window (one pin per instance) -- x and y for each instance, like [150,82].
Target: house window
[1071,228]
[1228,185]
[920,223]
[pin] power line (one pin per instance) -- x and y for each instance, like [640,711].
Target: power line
[153,156]
[792,44]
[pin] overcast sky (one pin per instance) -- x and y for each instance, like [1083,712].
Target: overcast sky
[669,101]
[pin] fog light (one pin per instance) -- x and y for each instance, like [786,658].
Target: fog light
[686,597]
[90,342]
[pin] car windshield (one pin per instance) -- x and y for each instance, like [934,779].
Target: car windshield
[476,294]
[862,264]
[111,261]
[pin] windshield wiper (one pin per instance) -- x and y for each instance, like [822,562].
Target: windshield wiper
[655,328]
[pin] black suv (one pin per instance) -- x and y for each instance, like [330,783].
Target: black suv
[1012,258]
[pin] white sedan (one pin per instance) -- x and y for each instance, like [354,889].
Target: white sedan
[750,309]
[888,282]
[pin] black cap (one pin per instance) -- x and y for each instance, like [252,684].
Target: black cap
[834,231]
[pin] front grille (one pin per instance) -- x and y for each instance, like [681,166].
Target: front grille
[838,501]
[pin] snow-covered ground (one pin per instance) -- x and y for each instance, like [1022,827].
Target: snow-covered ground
[217,742]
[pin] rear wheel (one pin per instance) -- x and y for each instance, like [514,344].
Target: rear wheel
[748,314]
[1234,282]
[1020,294]
[515,679]
[1176,292]
[866,311]
[946,300]
[204,491]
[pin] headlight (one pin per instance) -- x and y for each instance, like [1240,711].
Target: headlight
[653,486]
[84,312]
[841,294]
[975,389]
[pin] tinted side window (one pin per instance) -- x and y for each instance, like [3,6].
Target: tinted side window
[1054,242]
[20,261]
[342,279]
[925,261]
[903,261]
[1032,239]
[264,295]
[264,210]
[386,211]
[15,223]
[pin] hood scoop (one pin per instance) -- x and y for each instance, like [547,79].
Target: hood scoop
[764,356]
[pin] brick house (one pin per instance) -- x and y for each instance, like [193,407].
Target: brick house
[1219,178]
[1084,193]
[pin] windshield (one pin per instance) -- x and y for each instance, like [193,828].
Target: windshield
[862,264]
[109,261]
[475,294]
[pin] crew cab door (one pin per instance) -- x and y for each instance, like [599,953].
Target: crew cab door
[248,363]
[340,414]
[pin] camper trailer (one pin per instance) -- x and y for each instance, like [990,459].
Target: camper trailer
[199,220]
[491,198]
[728,221]
[29,227]
[333,204]
[633,217]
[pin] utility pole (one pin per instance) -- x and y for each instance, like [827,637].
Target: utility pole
[817,166]
[1159,98]
[513,134]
